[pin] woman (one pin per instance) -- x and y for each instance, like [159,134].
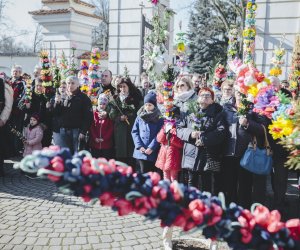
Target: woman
[240,185]
[184,94]
[123,112]
[39,105]
[227,92]
[203,134]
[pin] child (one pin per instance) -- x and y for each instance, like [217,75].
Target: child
[144,132]
[101,140]
[33,135]
[170,153]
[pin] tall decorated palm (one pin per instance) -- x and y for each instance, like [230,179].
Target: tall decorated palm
[94,75]
[46,75]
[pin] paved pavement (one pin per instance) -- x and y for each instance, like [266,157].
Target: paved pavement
[33,215]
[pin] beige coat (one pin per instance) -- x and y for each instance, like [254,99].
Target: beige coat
[9,99]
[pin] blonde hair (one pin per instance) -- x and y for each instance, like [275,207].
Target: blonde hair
[186,80]
[229,83]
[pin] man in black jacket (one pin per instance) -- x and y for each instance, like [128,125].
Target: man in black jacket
[76,115]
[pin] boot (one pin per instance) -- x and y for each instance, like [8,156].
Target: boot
[167,238]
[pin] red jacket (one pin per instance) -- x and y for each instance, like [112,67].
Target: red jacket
[101,129]
[169,156]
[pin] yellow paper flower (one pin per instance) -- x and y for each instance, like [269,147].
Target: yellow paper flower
[275,71]
[281,127]
[84,88]
[297,72]
[294,84]
[180,47]
[249,5]
[253,90]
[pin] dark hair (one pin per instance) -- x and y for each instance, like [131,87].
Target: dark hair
[108,71]
[132,88]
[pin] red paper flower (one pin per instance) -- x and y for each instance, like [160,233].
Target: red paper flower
[124,207]
[293,226]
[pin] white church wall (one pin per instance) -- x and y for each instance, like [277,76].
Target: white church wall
[276,18]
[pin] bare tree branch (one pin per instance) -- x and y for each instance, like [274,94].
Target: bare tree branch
[38,38]
[221,15]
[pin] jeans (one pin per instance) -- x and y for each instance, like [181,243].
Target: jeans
[69,139]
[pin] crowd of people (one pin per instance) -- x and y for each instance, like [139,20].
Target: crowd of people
[127,124]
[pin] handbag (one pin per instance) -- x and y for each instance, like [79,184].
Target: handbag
[256,160]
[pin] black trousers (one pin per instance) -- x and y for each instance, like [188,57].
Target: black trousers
[252,188]
[229,182]
[205,181]
[103,153]
[144,166]
[3,138]
[279,180]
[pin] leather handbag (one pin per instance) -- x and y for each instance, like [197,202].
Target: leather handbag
[256,160]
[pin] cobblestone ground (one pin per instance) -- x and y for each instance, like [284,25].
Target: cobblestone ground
[33,215]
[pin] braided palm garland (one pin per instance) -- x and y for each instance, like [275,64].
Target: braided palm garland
[115,185]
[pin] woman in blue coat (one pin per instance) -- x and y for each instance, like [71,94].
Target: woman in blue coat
[145,129]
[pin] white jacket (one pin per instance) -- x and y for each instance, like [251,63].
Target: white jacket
[9,99]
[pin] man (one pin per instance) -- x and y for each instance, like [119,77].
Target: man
[36,75]
[76,115]
[6,102]
[196,80]
[145,87]
[106,79]
[18,115]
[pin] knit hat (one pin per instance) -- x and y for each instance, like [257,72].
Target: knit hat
[36,116]
[102,99]
[150,98]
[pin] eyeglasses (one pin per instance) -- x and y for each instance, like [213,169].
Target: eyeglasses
[227,89]
[205,95]
[181,85]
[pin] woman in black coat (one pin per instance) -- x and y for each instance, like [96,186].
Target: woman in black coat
[38,105]
[240,185]
[203,145]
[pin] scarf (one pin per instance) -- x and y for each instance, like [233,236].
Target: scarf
[185,95]
[123,97]
[32,127]
[152,116]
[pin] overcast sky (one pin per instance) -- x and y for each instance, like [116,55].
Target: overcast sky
[17,15]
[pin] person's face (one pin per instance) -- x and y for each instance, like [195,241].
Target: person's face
[123,88]
[276,85]
[106,78]
[62,89]
[238,98]
[72,86]
[102,106]
[205,99]
[196,81]
[149,106]
[146,84]
[33,121]
[286,85]
[37,73]
[117,81]
[227,92]
[16,73]
[39,87]
[182,87]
